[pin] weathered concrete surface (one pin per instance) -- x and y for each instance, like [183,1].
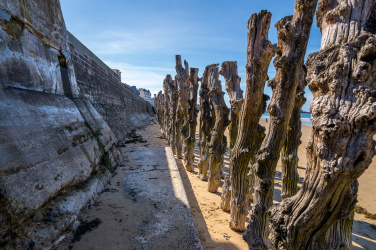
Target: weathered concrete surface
[30,43]
[58,138]
[121,108]
[143,207]
[47,149]
[44,16]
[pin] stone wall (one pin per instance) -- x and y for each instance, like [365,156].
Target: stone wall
[116,102]
[62,112]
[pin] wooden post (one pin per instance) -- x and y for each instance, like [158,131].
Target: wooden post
[181,80]
[232,81]
[342,79]
[206,125]
[259,54]
[173,96]
[192,120]
[218,142]
[167,82]
[293,33]
[289,154]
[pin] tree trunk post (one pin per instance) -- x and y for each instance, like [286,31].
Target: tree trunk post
[167,85]
[289,154]
[293,33]
[259,54]
[181,80]
[232,82]
[218,142]
[158,106]
[206,125]
[192,120]
[342,79]
[173,102]
[164,115]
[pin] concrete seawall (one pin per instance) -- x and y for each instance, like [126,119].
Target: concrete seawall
[62,112]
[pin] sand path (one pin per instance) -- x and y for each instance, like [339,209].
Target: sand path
[144,206]
[121,221]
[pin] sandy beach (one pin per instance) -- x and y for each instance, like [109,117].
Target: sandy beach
[212,222]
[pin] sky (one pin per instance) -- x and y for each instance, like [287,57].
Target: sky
[141,38]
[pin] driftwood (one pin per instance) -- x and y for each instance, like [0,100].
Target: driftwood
[218,142]
[293,33]
[206,125]
[259,54]
[342,79]
[192,120]
[181,80]
[232,81]
[289,154]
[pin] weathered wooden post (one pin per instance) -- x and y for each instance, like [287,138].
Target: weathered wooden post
[232,81]
[158,106]
[218,142]
[181,80]
[173,96]
[342,79]
[293,33]
[259,54]
[192,120]
[167,82]
[289,154]
[206,125]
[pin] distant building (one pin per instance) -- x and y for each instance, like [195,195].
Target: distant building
[118,72]
[146,95]
[134,89]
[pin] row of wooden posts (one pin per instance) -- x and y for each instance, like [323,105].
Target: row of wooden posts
[341,77]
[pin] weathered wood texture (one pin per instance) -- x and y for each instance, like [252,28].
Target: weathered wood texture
[206,125]
[181,80]
[342,79]
[192,120]
[289,154]
[232,82]
[354,15]
[158,107]
[218,142]
[229,71]
[293,33]
[259,54]
[167,83]
[173,97]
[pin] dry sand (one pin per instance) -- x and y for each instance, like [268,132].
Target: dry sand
[212,222]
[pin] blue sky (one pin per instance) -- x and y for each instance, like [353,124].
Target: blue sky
[141,38]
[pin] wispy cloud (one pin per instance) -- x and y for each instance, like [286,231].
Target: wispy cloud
[161,40]
[142,77]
